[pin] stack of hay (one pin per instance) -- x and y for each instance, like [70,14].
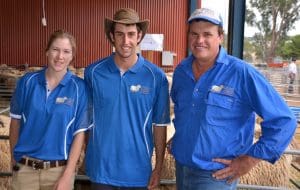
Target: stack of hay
[4,153]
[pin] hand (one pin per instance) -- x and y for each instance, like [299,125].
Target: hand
[235,168]
[13,162]
[169,146]
[154,179]
[64,183]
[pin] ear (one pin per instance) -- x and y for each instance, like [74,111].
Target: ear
[112,37]
[221,38]
[139,37]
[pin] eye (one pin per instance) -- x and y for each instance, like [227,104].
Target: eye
[67,51]
[54,49]
[207,34]
[118,34]
[194,35]
[131,34]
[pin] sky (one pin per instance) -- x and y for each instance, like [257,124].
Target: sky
[222,7]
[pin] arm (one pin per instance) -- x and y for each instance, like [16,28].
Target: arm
[279,123]
[160,146]
[13,137]
[65,181]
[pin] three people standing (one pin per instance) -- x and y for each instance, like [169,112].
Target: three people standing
[216,97]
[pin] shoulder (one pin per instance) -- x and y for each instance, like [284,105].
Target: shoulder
[239,65]
[96,65]
[184,64]
[77,80]
[30,76]
[154,69]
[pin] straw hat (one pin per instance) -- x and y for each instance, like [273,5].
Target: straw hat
[125,16]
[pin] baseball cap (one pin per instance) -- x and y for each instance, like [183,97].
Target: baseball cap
[206,15]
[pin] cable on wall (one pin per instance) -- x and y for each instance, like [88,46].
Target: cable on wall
[44,21]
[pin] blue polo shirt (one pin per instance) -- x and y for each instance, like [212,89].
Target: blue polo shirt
[215,116]
[124,109]
[48,125]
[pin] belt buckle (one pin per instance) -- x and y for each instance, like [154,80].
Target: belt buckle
[46,165]
[34,164]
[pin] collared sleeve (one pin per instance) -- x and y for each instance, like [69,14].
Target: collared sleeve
[161,110]
[278,124]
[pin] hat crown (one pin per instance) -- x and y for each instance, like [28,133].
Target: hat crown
[206,14]
[127,15]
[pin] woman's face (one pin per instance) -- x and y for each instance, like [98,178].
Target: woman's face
[59,55]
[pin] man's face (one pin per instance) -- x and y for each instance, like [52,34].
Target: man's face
[126,39]
[204,40]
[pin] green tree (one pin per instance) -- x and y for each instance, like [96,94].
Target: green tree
[248,50]
[273,18]
[290,47]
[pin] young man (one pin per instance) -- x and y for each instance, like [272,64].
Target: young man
[129,96]
[216,97]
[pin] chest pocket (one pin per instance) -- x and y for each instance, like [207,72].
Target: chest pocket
[219,109]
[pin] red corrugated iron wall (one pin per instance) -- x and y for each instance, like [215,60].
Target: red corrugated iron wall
[23,38]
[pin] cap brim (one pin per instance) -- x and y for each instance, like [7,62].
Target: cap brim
[213,21]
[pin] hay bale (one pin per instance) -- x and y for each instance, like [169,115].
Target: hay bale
[267,174]
[5,153]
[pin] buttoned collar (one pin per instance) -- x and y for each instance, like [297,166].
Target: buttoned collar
[64,81]
[134,69]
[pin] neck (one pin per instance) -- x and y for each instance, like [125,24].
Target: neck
[200,67]
[125,63]
[53,78]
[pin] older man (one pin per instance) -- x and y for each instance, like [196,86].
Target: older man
[216,97]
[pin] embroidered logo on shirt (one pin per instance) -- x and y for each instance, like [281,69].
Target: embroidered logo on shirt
[216,88]
[139,88]
[223,90]
[64,100]
[135,88]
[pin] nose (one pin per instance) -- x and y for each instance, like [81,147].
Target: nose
[199,38]
[126,39]
[60,54]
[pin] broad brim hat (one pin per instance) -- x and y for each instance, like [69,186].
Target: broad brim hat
[125,16]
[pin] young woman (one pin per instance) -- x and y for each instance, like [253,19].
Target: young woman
[48,117]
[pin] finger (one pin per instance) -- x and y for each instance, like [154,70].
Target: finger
[223,161]
[222,173]
[232,179]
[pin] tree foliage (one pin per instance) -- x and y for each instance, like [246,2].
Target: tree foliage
[273,19]
[290,47]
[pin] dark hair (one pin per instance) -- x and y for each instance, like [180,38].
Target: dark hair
[293,58]
[62,34]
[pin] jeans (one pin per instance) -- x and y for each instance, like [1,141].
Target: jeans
[197,179]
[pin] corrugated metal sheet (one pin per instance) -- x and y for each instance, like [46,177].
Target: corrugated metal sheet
[23,38]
